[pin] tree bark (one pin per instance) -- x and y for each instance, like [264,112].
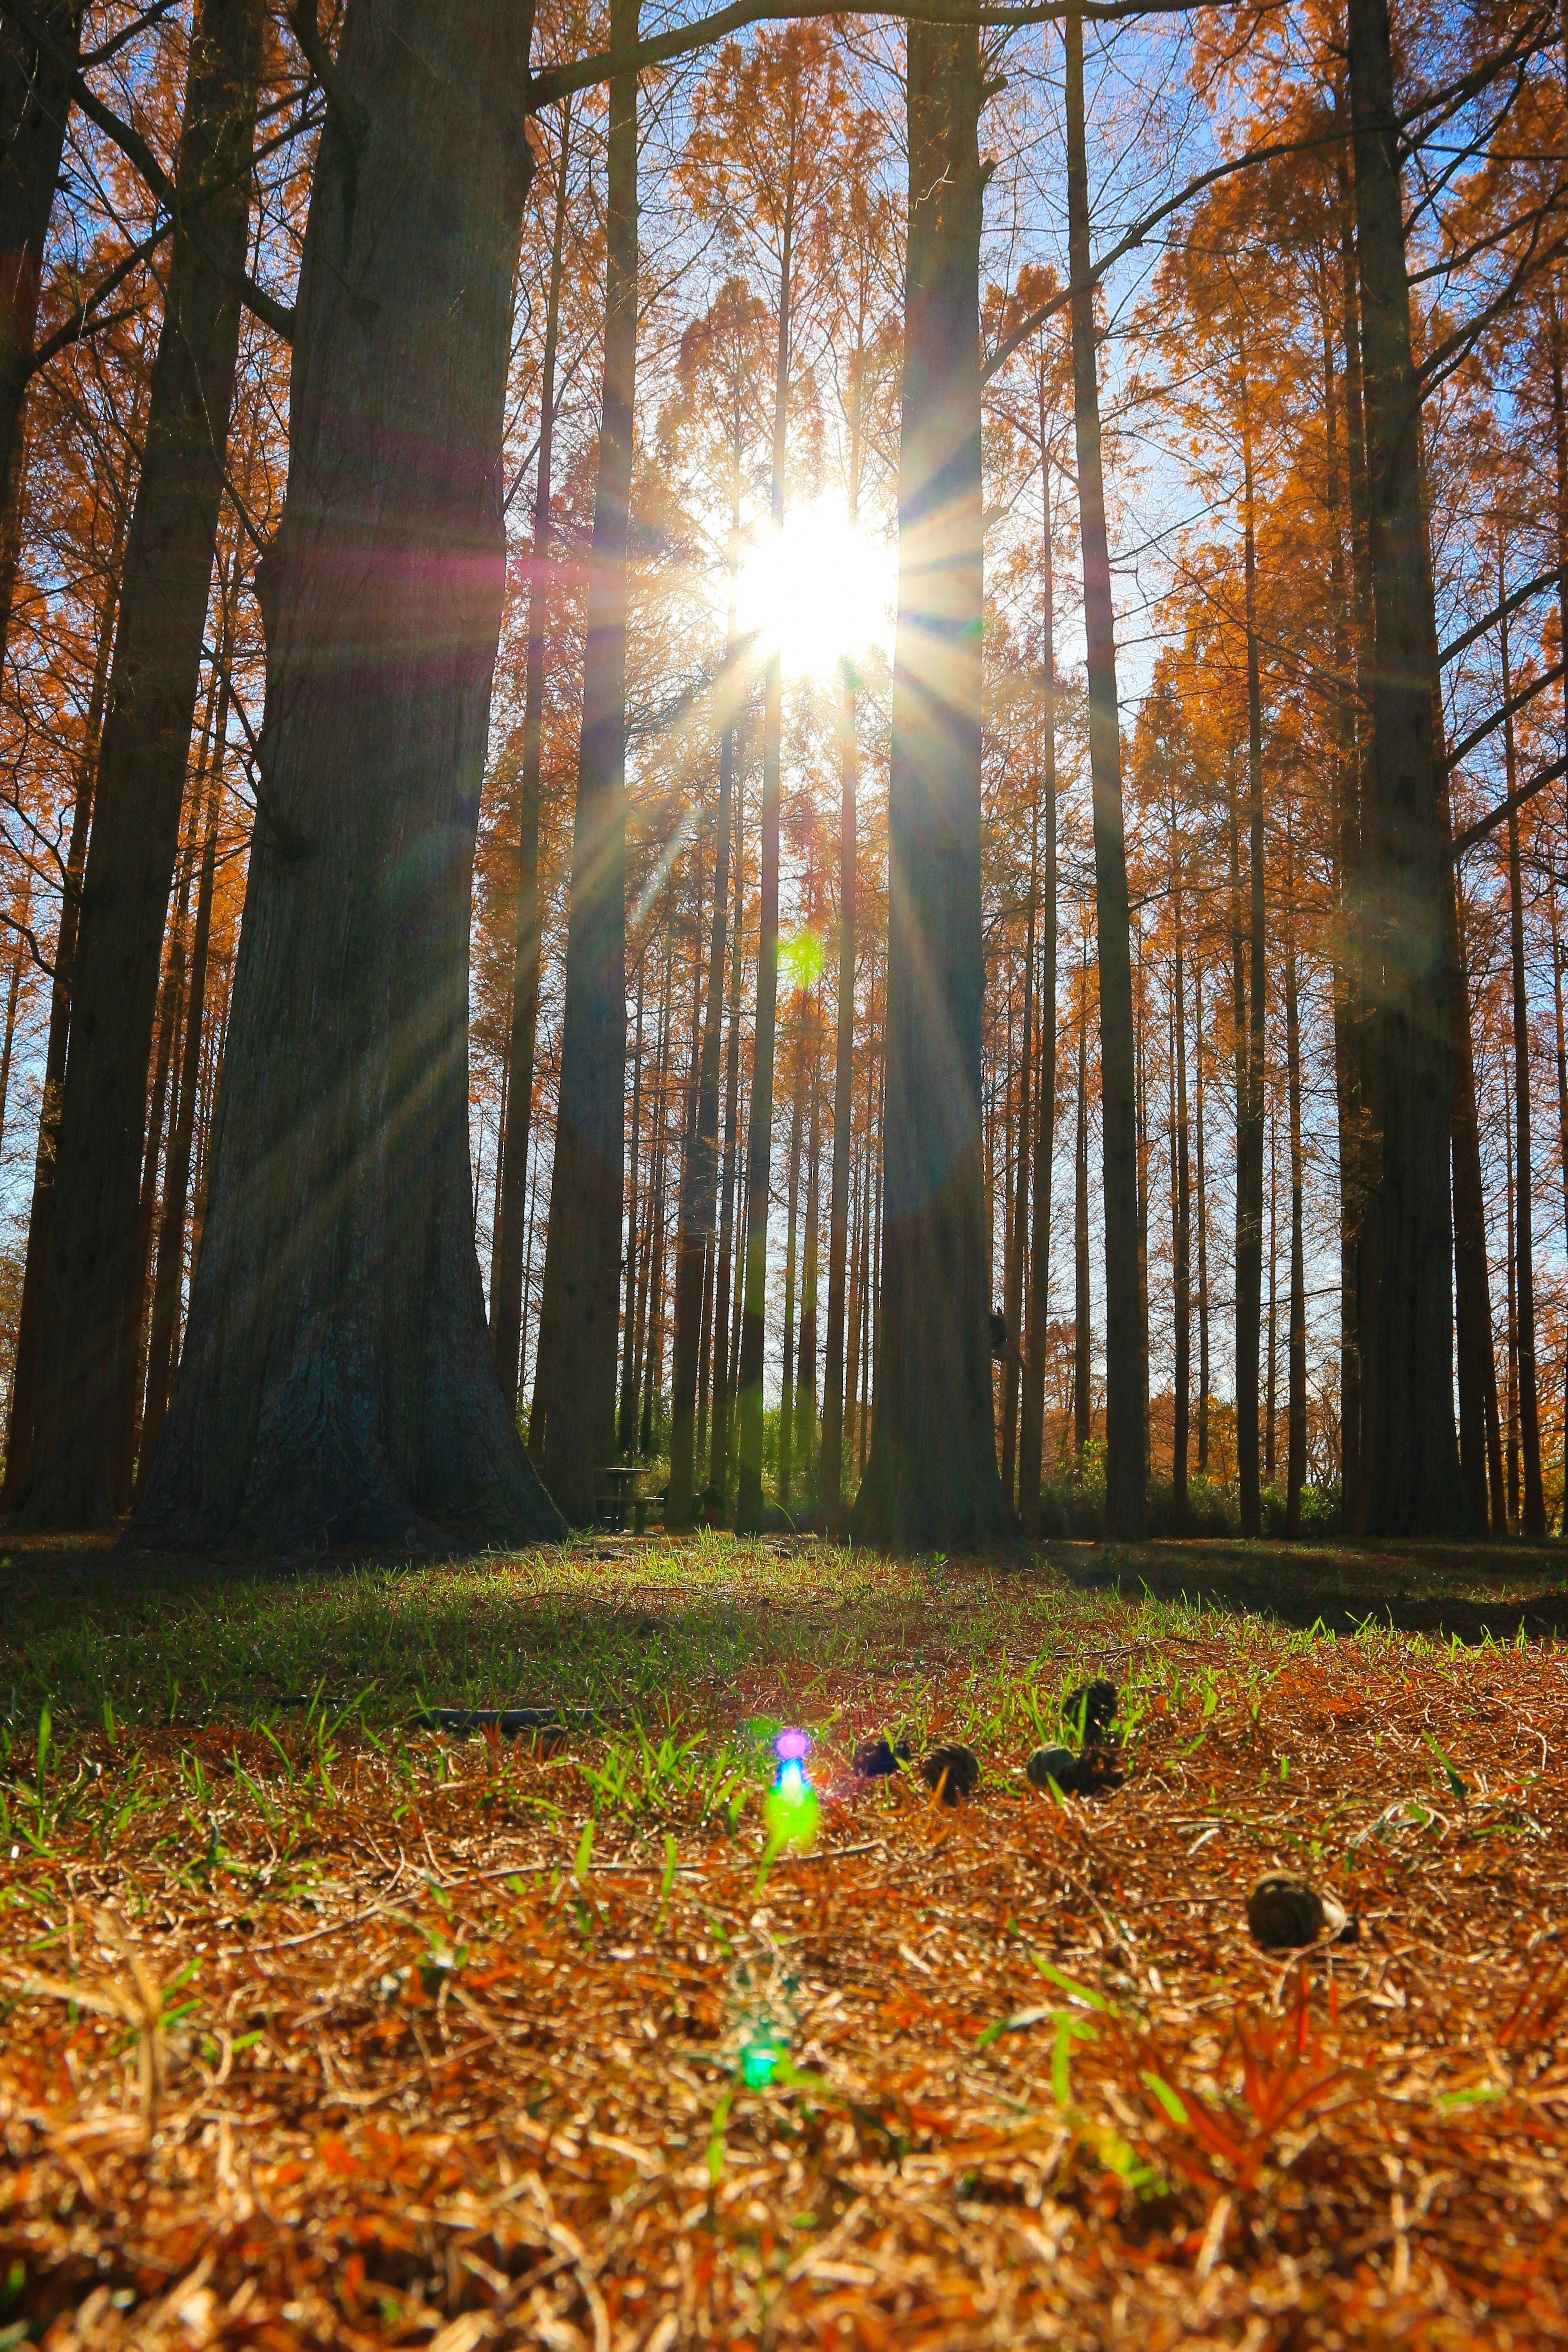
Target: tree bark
[1482,1458]
[161,1347]
[806,1358]
[1417,1486]
[1126,1351]
[578,1323]
[1201,1172]
[337,1382]
[1534,1517]
[760,1139]
[13,997]
[1082,1336]
[1249,1070]
[1181,1254]
[89,1330]
[792,1231]
[1018,1255]
[625,1429]
[1034,1414]
[35,105]
[699,1182]
[932,1477]
[1296,1452]
[506,1279]
[830,1483]
[40,1222]
[719,1445]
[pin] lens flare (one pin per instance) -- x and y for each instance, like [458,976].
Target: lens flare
[792,1806]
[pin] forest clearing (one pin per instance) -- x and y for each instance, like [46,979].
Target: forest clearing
[321,2029]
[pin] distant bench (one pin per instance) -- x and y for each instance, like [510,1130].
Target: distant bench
[621,1488]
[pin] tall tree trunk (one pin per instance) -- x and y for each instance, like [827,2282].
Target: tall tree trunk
[35,104]
[1347,590]
[791,1236]
[830,1483]
[1478,1419]
[575,1385]
[1082,1359]
[1273,1390]
[806,1358]
[90,1310]
[162,1347]
[1510,1445]
[1295,1454]
[1202,1222]
[1126,1347]
[1416,1485]
[40,1222]
[163,1104]
[625,1431]
[1182,1251]
[718,1454]
[760,1139]
[13,997]
[699,1182]
[1561,1060]
[1019,1252]
[338,1382]
[506,1281]
[1534,1517]
[932,1477]
[1250,1072]
[1034,1429]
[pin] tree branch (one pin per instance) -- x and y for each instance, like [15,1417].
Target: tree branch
[555,81]
[1505,809]
[134,148]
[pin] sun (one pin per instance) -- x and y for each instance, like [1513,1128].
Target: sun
[818,592]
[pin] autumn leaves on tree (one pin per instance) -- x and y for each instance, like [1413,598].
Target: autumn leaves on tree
[549,950]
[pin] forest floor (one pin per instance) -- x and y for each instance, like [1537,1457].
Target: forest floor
[320,2028]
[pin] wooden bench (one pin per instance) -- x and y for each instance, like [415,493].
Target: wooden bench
[619,1487]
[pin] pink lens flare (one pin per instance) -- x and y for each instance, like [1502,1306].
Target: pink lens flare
[791,1746]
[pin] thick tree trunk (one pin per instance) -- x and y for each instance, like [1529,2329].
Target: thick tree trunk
[1126,1349]
[88,1330]
[506,1277]
[699,1183]
[337,1382]
[1416,1485]
[575,1388]
[932,1477]
[35,104]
